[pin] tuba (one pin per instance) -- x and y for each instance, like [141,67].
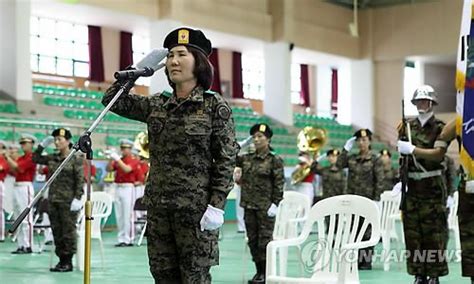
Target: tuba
[141,143]
[310,139]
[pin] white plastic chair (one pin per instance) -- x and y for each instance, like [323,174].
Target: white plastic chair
[453,223]
[292,212]
[333,258]
[390,211]
[101,209]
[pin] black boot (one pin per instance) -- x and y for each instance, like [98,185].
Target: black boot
[261,276]
[420,279]
[64,265]
[257,267]
[433,280]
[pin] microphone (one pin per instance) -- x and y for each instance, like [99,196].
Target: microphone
[146,67]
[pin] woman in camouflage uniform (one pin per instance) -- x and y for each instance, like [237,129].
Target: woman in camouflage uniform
[192,158]
[365,179]
[64,195]
[333,178]
[262,183]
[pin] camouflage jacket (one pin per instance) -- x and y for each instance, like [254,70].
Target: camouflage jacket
[424,137]
[365,174]
[192,145]
[262,180]
[333,178]
[450,174]
[70,181]
[390,178]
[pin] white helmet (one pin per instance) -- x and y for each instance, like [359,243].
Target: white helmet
[424,92]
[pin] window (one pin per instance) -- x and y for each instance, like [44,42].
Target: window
[412,80]
[253,77]
[296,84]
[58,47]
[140,48]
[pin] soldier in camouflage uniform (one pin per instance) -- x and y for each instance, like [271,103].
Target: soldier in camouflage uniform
[334,180]
[64,198]
[365,179]
[450,132]
[390,175]
[262,183]
[192,155]
[425,217]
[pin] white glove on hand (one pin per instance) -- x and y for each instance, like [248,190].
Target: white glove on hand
[76,204]
[350,143]
[47,141]
[272,211]
[114,156]
[212,219]
[397,189]
[405,147]
[450,202]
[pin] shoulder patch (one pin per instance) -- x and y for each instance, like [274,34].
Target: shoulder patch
[211,92]
[166,94]
[223,111]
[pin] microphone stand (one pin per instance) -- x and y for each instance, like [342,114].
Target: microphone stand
[84,145]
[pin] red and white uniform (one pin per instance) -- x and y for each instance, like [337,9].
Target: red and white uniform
[125,199]
[23,194]
[142,171]
[306,187]
[3,174]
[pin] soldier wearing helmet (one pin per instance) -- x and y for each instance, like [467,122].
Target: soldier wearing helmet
[425,217]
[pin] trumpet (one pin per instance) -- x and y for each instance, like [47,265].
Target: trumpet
[310,139]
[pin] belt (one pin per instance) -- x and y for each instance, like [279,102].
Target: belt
[125,185]
[423,175]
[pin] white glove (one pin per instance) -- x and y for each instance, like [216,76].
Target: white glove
[272,211]
[114,156]
[76,204]
[397,188]
[350,143]
[47,141]
[450,202]
[405,147]
[212,219]
[320,158]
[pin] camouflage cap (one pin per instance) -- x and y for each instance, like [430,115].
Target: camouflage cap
[262,127]
[188,37]
[334,152]
[364,132]
[62,132]
[26,137]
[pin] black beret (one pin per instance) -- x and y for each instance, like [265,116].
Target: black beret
[363,133]
[262,127]
[384,152]
[189,37]
[62,132]
[333,152]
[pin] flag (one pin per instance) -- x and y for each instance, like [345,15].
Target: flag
[465,89]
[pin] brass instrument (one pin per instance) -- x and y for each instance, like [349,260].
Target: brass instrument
[310,139]
[142,144]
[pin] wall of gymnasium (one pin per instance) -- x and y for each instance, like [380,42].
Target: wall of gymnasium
[387,35]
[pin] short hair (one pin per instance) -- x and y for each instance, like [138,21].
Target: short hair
[203,70]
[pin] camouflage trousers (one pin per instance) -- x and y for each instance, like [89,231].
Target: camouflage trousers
[63,224]
[426,229]
[466,230]
[259,232]
[178,251]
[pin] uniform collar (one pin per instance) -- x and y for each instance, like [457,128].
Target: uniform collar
[195,96]
[263,154]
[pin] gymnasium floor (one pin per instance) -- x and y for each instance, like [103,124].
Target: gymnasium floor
[130,265]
